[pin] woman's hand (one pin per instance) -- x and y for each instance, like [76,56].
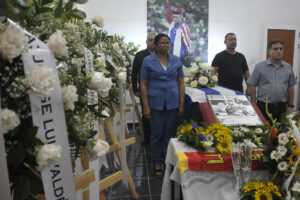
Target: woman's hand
[147,112]
[181,111]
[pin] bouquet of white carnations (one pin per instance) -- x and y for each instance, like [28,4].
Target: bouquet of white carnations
[201,76]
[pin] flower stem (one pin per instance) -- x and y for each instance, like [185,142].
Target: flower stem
[33,171]
[274,176]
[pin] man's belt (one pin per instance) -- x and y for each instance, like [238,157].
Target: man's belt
[275,105]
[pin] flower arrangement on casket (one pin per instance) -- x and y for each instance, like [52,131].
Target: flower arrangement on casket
[218,137]
[201,76]
[280,156]
[258,190]
[55,24]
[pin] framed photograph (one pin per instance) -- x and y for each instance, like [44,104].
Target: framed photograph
[233,110]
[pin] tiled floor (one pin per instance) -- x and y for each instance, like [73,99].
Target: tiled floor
[139,162]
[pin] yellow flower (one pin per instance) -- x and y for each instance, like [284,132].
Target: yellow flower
[223,145]
[189,127]
[199,130]
[183,129]
[259,185]
[292,159]
[262,195]
[296,153]
[222,133]
[249,186]
[273,189]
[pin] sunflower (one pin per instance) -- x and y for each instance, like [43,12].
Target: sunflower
[296,153]
[262,195]
[183,129]
[292,159]
[221,133]
[249,186]
[259,186]
[223,145]
[189,127]
[273,189]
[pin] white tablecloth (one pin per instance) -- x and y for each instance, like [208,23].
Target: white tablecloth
[200,185]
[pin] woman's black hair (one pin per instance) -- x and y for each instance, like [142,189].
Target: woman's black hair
[158,36]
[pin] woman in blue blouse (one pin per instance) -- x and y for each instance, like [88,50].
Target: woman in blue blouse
[162,89]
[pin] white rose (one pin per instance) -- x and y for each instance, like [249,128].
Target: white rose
[101,61]
[41,82]
[203,80]
[124,46]
[194,84]
[210,138]
[49,154]
[69,95]
[57,44]
[96,79]
[105,112]
[81,1]
[214,78]
[71,26]
[204,67]
[122,77]
[258,130]
[296,187]
[103,93]
[198,59]
[120,53]
[116,47]
[98,20]
[12,42]
[210,68]
[186,79]
[193,71]
[106,85]
[101,148]
[207,144]
[249,143]
[9,119]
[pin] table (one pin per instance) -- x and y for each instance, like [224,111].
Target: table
[200,185]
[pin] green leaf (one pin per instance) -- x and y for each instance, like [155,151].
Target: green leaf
[77,14]
[58,11]
[22,189]
[69,6]
[16,156]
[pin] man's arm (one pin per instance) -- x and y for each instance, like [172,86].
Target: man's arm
[134,78]
[215,70]
[246,76]
[252,92]
[290,99]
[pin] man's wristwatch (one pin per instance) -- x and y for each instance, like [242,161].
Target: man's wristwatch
[291,106]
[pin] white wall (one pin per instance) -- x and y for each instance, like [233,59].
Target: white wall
[249,19]
[124,17]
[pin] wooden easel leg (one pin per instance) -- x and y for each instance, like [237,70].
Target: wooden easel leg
[102,196]
[137,112]
[108,125]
